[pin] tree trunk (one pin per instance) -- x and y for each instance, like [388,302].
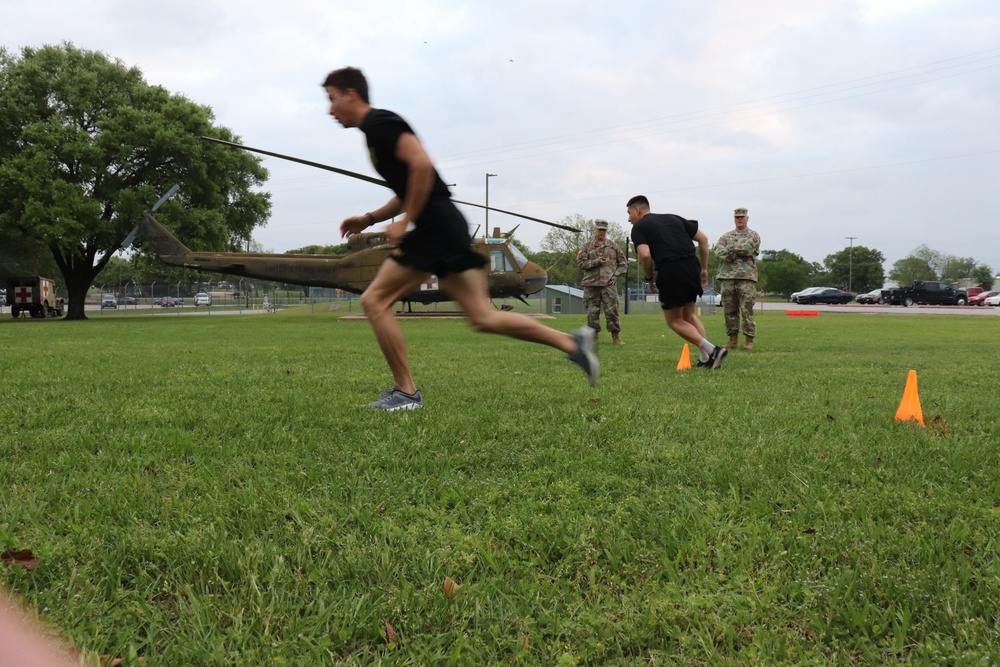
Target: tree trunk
[77,291]
[78,273]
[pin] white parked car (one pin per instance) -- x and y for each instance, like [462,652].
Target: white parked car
[710,297]
[202,299]
[992,300]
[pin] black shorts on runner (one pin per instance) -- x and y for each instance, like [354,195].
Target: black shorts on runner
[440,242]
[679,282]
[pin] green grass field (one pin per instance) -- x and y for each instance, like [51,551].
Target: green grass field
[206,491]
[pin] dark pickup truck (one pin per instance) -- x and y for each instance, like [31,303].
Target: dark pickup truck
[929,292]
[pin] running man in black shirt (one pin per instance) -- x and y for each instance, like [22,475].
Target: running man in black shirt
[438,244]
[664,240]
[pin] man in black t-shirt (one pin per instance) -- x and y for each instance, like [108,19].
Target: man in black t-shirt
[665,240]
[438,244]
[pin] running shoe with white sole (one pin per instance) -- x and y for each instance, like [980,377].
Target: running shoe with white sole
[396,399]
[584,355]
[715,360]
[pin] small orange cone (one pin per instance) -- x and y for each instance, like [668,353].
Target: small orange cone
[685,361]
[909,407]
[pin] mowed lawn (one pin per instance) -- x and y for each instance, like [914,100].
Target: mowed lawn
[207,491]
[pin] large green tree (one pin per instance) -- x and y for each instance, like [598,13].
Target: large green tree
[924,263]
[983,275]
[906,270]
[86,145]
[966,270]
[934,259]
[856,268]
[784,272]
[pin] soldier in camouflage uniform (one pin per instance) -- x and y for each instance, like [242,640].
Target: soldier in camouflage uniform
[602,261]
[737,251]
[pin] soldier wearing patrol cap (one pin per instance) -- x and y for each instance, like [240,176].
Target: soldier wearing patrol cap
[602,261]
[737,251]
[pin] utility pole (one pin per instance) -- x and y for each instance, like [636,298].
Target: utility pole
[488,177]
[850,263]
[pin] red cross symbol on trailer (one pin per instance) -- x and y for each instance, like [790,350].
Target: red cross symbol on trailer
[429,284]
[45,290]
[22,295]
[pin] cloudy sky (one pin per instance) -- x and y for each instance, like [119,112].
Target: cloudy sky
[828,119]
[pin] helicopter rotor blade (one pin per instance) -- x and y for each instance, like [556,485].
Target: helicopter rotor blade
[519,215]
[308,163]
[376,181]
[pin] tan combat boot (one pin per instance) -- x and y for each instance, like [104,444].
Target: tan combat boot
[734,342]
[616,339]
[749,344]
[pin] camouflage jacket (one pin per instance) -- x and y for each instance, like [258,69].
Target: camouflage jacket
[596,274]
[737,252]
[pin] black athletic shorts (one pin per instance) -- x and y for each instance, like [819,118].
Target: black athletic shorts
[679,282]
[440,242]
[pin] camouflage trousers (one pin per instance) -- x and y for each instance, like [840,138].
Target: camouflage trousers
[596,299]
[738,299]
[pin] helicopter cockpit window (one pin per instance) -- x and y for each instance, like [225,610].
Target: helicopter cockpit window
[518,256]
[499,262]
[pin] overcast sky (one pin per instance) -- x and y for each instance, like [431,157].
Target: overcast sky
[827,119]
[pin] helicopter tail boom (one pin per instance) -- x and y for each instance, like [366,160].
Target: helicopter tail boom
[164,243]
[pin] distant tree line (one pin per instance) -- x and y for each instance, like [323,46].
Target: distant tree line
[858,268]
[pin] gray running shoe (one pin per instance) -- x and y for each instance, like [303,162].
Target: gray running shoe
[584,355]
[396,399]
[718,354]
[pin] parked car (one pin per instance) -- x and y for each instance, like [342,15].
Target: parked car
[108,301]
[826,295]
[982,296]
[992,300]
[202,299]
[167,302]
[875,296]
[179,301]
[794,297]
[128,301]
[930,292]
[710,297]
[973,291]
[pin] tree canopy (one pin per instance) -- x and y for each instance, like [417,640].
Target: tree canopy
[784,272]
[856,268]
[924,263]
[908,269]
[86,145]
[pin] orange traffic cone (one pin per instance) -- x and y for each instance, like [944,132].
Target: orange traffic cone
[685,360]
[909,407]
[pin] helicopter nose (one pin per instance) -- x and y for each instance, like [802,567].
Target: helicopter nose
[535,278]
[533,284]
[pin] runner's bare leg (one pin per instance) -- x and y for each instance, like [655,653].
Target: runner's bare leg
[392,282]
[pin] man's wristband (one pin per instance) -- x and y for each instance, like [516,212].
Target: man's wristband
[371,218]
[648,279]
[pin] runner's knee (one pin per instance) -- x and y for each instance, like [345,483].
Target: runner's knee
[372,301]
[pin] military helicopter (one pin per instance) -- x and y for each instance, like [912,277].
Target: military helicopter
[509,273]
